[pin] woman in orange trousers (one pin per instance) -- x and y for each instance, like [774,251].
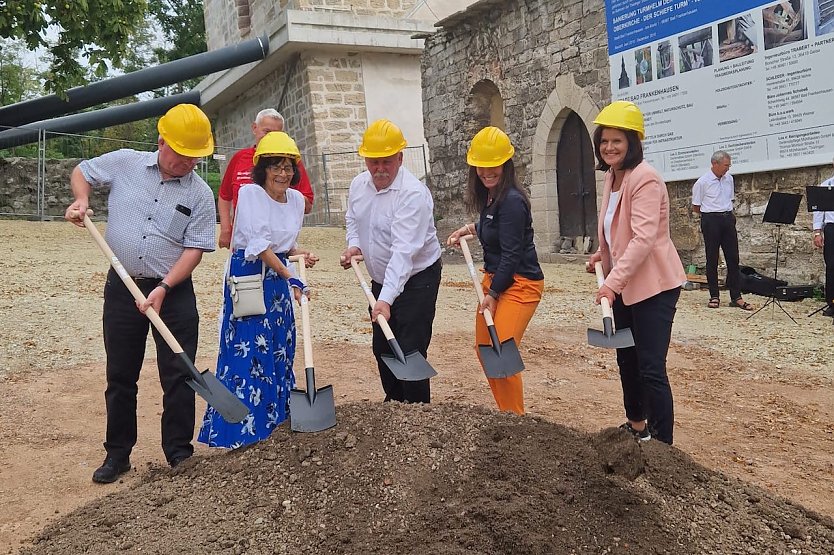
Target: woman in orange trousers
[513,280]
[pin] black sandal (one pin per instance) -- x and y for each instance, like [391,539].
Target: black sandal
[742,304]
[714,303]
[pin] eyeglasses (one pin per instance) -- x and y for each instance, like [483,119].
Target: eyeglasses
[279,168]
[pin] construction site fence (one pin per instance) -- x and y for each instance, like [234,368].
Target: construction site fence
[44,193]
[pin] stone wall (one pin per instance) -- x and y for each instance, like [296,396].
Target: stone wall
[359,7]
[799,261]
[524,49]
[19,188]
[546,58]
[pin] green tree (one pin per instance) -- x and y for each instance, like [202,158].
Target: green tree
[184,29]
[98,30]
[17,81]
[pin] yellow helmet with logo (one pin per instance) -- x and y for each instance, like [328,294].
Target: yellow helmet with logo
[276,143]
[187,130]
[381,139]
[622,114]
[490,148]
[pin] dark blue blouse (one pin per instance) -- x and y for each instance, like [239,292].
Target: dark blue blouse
[505,230]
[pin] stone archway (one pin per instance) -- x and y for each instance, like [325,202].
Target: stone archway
[567,97]
[485,106]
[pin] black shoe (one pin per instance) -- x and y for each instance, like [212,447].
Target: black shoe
[829,311]
[178,460]
[110,471]
[642,435]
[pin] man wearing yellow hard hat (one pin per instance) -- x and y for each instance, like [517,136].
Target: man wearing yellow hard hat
[161,219]
[390,222]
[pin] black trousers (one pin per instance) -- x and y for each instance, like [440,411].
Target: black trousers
[412,316]
[719,230]
[125,336]
[647,394]
[828,256]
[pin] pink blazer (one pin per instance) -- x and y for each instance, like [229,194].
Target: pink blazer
[645,260]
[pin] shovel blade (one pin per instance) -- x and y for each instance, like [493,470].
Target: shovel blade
[314,415]
[313,410]
[501,362]
[620,339]
[206,385]
[413,368]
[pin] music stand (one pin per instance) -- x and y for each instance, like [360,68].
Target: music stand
[781,210]
[820,199]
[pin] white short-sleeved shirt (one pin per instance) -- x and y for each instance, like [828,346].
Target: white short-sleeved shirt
[714,194]
[263,223]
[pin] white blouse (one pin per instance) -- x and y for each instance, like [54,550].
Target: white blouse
[609,216]
[263,223]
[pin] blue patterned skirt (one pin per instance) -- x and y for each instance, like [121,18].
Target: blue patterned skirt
[255,361]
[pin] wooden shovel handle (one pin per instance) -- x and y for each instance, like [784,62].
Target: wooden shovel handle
[305,312]
[386,329]
[132,287]
[603,302]
[474,275]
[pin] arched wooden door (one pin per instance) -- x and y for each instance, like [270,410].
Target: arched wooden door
[575,182]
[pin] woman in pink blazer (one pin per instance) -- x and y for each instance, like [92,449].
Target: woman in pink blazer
[643,271]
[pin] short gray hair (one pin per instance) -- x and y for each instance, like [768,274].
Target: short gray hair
[718,156]
[269,113]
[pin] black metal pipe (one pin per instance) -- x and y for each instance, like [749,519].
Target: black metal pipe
[146,79]
[115,115]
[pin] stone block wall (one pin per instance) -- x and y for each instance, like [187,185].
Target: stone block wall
[523,48]
[548,55]
[359,7]
[19,188]
[799,261]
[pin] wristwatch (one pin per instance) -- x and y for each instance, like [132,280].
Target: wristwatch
[492,294]
[164,286]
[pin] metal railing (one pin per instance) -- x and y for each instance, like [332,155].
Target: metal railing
[37,185]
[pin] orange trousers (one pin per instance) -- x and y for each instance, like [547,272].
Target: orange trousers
[515,308]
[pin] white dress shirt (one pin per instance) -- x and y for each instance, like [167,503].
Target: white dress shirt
[714,194]
[822,218]
[394,229]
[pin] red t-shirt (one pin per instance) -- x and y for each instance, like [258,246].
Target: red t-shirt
[239,172]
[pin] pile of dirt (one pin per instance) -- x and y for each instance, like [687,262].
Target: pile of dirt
[442,479]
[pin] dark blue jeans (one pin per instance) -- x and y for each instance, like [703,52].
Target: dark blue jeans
[647,394]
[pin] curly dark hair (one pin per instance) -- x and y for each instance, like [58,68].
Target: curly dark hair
[477,195]
[259,171]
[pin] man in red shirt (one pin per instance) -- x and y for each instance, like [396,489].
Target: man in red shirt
[239,173]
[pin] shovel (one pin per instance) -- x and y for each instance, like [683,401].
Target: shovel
[412,367]
[205,384]
[501,359]
[608,338]
[313,410]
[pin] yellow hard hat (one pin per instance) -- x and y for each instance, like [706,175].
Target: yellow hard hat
[381,139]
[187,130]
[622,114]
[276,143]
[490,148]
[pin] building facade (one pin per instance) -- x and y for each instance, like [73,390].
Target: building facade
[539,69]
[333,66]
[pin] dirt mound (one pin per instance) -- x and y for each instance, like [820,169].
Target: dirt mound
[441,479]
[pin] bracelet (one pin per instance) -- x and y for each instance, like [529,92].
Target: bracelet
[164,285]
[817,233]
